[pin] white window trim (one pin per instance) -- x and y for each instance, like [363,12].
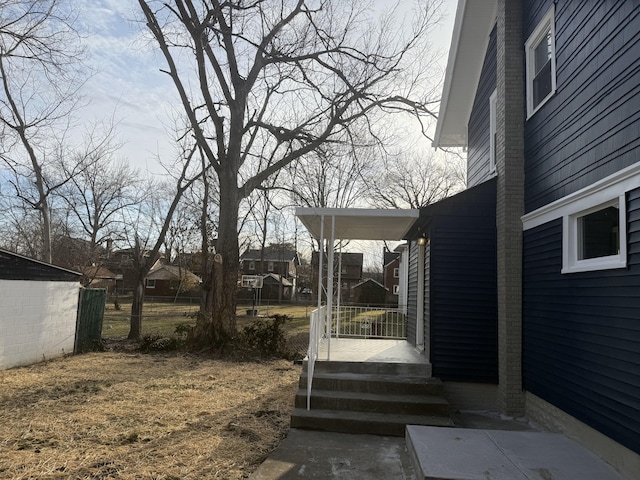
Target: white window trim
[593,195]
[252,266]
[270,266]
[396,273]
[547,23]
[493,125]
[150,283]
[570,234]
[396,289]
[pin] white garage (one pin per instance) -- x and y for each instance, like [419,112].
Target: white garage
[38,310]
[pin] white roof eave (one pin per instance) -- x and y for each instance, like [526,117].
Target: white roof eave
[473,24]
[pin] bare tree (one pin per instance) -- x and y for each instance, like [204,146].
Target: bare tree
[275,80]
[94,196]
[20,227]
[333,176]
[415,181]
[40,65]
[149,227]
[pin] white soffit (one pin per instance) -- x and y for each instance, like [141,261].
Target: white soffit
[358,223]
[473,24]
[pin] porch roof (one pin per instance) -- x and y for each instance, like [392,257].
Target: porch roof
[358,223]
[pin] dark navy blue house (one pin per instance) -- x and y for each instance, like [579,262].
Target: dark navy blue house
[455,240]
[545,96]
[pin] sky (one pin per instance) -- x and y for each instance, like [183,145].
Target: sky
[128,86]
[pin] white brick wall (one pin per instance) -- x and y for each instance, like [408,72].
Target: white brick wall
[37,320]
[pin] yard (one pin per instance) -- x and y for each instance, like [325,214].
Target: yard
[128,415]
[162,316]
[118,415]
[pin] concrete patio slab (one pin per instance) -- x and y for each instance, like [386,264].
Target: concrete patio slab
[468,454]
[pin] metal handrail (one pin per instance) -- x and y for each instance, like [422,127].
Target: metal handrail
[316,336]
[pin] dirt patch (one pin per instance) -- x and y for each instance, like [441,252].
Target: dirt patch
[121,415]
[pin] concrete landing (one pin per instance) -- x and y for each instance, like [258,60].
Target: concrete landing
[336,456]
[466,454]
[369,350]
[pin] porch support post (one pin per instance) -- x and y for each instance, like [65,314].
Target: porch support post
[339,291]
[510,203]
[320,262]
[330,248]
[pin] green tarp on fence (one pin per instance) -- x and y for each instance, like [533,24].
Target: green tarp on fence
[90,315]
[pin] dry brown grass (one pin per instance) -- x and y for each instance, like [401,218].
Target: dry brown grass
[132,416]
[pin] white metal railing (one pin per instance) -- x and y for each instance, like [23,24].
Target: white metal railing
[317,333]
[368,322]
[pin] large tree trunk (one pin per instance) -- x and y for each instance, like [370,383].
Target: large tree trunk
[218,328]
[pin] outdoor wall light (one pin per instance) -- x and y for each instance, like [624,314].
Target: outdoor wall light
[422,241]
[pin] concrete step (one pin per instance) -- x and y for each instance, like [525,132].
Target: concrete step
[378,368]
[362,422]
[430,405]
[374,383]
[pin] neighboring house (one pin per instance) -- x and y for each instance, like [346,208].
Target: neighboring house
[122,263]
[276,287]
[170,280]
[277,260]
[347,267]
[391,274]
[38,310]
[98,277]
[273,260]
[369,292]
[68,252]
[545,96]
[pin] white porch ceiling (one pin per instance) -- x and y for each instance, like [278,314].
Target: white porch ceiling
[358,223]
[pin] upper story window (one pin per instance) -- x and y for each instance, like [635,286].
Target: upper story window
[396,273]
[252,265]
[595,239]
[541,63]
[270,266]
[493,105]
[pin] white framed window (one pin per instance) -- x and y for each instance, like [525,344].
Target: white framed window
[396,272]
[595,238]
[493,105]
[540,50]
[252,266]
[396,289]
[150,283]
[270,266]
